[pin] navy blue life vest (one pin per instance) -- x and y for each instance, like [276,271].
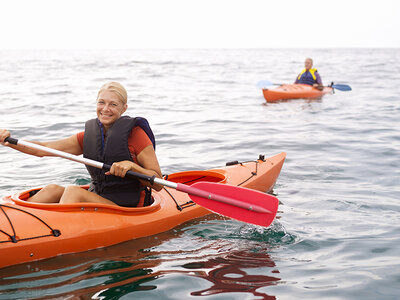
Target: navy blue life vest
[110,149]
[307,77]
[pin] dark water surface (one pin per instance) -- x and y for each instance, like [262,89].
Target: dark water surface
[337,233]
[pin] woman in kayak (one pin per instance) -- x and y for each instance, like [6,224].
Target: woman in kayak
[124,143]
[309,75]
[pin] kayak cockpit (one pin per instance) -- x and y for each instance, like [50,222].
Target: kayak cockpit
[22,197]
[186,177]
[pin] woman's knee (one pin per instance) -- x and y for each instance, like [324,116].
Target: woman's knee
[54,188]
[76,194]
[49,194]
[73,194]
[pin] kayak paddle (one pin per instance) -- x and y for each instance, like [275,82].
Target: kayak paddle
[265,83]
[341,87]
[232,201]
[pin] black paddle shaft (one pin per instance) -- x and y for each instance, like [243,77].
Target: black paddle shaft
[132,174]
[106,167]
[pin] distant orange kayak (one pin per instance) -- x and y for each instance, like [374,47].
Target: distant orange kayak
[32,231]
[294,91]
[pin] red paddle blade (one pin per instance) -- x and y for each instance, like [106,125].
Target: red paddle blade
[239,203]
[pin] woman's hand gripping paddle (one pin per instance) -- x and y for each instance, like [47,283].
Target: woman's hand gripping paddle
[239,203]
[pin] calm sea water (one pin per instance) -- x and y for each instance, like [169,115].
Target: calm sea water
[337,233]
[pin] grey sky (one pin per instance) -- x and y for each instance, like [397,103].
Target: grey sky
[121,24]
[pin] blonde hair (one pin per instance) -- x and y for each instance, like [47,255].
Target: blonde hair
[117,88]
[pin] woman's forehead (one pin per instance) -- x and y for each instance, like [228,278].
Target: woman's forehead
[108,95]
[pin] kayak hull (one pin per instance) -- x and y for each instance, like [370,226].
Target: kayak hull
[294,91]
[42,231]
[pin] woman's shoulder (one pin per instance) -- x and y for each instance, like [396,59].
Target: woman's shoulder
[138,139]
[79,137]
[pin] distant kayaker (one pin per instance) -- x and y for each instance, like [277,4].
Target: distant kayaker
[123,142]
[309,75]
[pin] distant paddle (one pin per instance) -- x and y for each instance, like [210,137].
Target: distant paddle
[341,87]
[232,201]
[265,83]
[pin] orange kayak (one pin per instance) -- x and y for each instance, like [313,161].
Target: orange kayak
[33,231]
[294,91]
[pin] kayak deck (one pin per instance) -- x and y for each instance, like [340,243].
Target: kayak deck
[31,231]
[294,91]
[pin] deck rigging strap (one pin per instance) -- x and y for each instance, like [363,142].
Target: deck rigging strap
[180,207]
[260,157]
[13,237]
[252,173]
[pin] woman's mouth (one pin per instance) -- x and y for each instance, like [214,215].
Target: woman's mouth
[106,116]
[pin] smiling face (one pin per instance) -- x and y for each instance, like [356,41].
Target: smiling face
[109,108]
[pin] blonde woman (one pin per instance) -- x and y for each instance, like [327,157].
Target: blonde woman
[123,142]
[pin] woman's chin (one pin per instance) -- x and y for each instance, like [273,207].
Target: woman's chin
[106,121]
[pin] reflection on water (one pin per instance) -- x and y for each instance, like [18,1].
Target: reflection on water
[229,273]
[137,266]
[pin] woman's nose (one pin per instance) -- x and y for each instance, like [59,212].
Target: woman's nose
[106,107]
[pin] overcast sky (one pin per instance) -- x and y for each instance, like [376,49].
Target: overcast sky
[121,24]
